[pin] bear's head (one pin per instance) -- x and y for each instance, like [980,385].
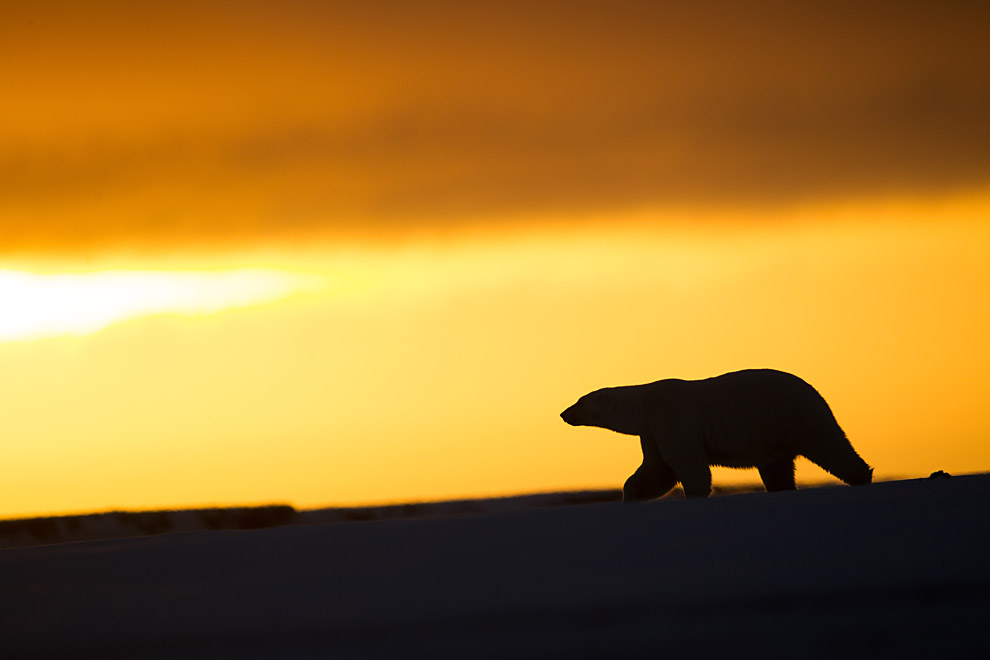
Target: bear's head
[609,408]
[590,410]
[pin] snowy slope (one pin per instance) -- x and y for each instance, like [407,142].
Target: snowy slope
[893,568]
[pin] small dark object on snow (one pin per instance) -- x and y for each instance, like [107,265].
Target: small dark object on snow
[939,475]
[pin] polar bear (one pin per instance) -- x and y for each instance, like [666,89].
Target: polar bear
[758,418]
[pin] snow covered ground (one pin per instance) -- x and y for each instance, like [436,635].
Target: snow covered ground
[893,569]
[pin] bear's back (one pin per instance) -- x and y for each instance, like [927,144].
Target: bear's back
[761,388]
[745,417]
[749,389]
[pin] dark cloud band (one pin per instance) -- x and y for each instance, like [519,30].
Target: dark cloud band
[378,117]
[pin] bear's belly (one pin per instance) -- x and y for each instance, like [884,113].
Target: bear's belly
[744,450]
[731,461]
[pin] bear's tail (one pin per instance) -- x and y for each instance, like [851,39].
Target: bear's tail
[841,460]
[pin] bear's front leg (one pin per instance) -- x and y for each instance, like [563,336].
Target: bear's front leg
[696,480]
[684,453]
[653,479]
[649,482]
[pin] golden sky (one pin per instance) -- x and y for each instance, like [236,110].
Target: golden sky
[327,252]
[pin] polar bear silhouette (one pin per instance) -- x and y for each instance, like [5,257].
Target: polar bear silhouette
[758,418]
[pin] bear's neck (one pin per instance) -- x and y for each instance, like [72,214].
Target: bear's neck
[629,411]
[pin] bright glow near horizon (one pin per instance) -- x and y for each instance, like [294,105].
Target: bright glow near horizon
[437,369]
[34,306]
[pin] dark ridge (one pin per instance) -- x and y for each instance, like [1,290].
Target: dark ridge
[470,507]
[120,524]
[467,507]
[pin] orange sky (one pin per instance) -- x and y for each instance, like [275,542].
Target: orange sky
[327,253]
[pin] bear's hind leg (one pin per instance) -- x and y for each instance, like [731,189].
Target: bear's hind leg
[778,476]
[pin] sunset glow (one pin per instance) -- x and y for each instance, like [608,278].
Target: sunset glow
[429,369]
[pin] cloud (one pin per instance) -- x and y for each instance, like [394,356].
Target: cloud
[191,123]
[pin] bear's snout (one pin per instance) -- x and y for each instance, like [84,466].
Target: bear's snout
[570,416]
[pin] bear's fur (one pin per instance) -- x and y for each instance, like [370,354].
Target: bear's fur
[758,418]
